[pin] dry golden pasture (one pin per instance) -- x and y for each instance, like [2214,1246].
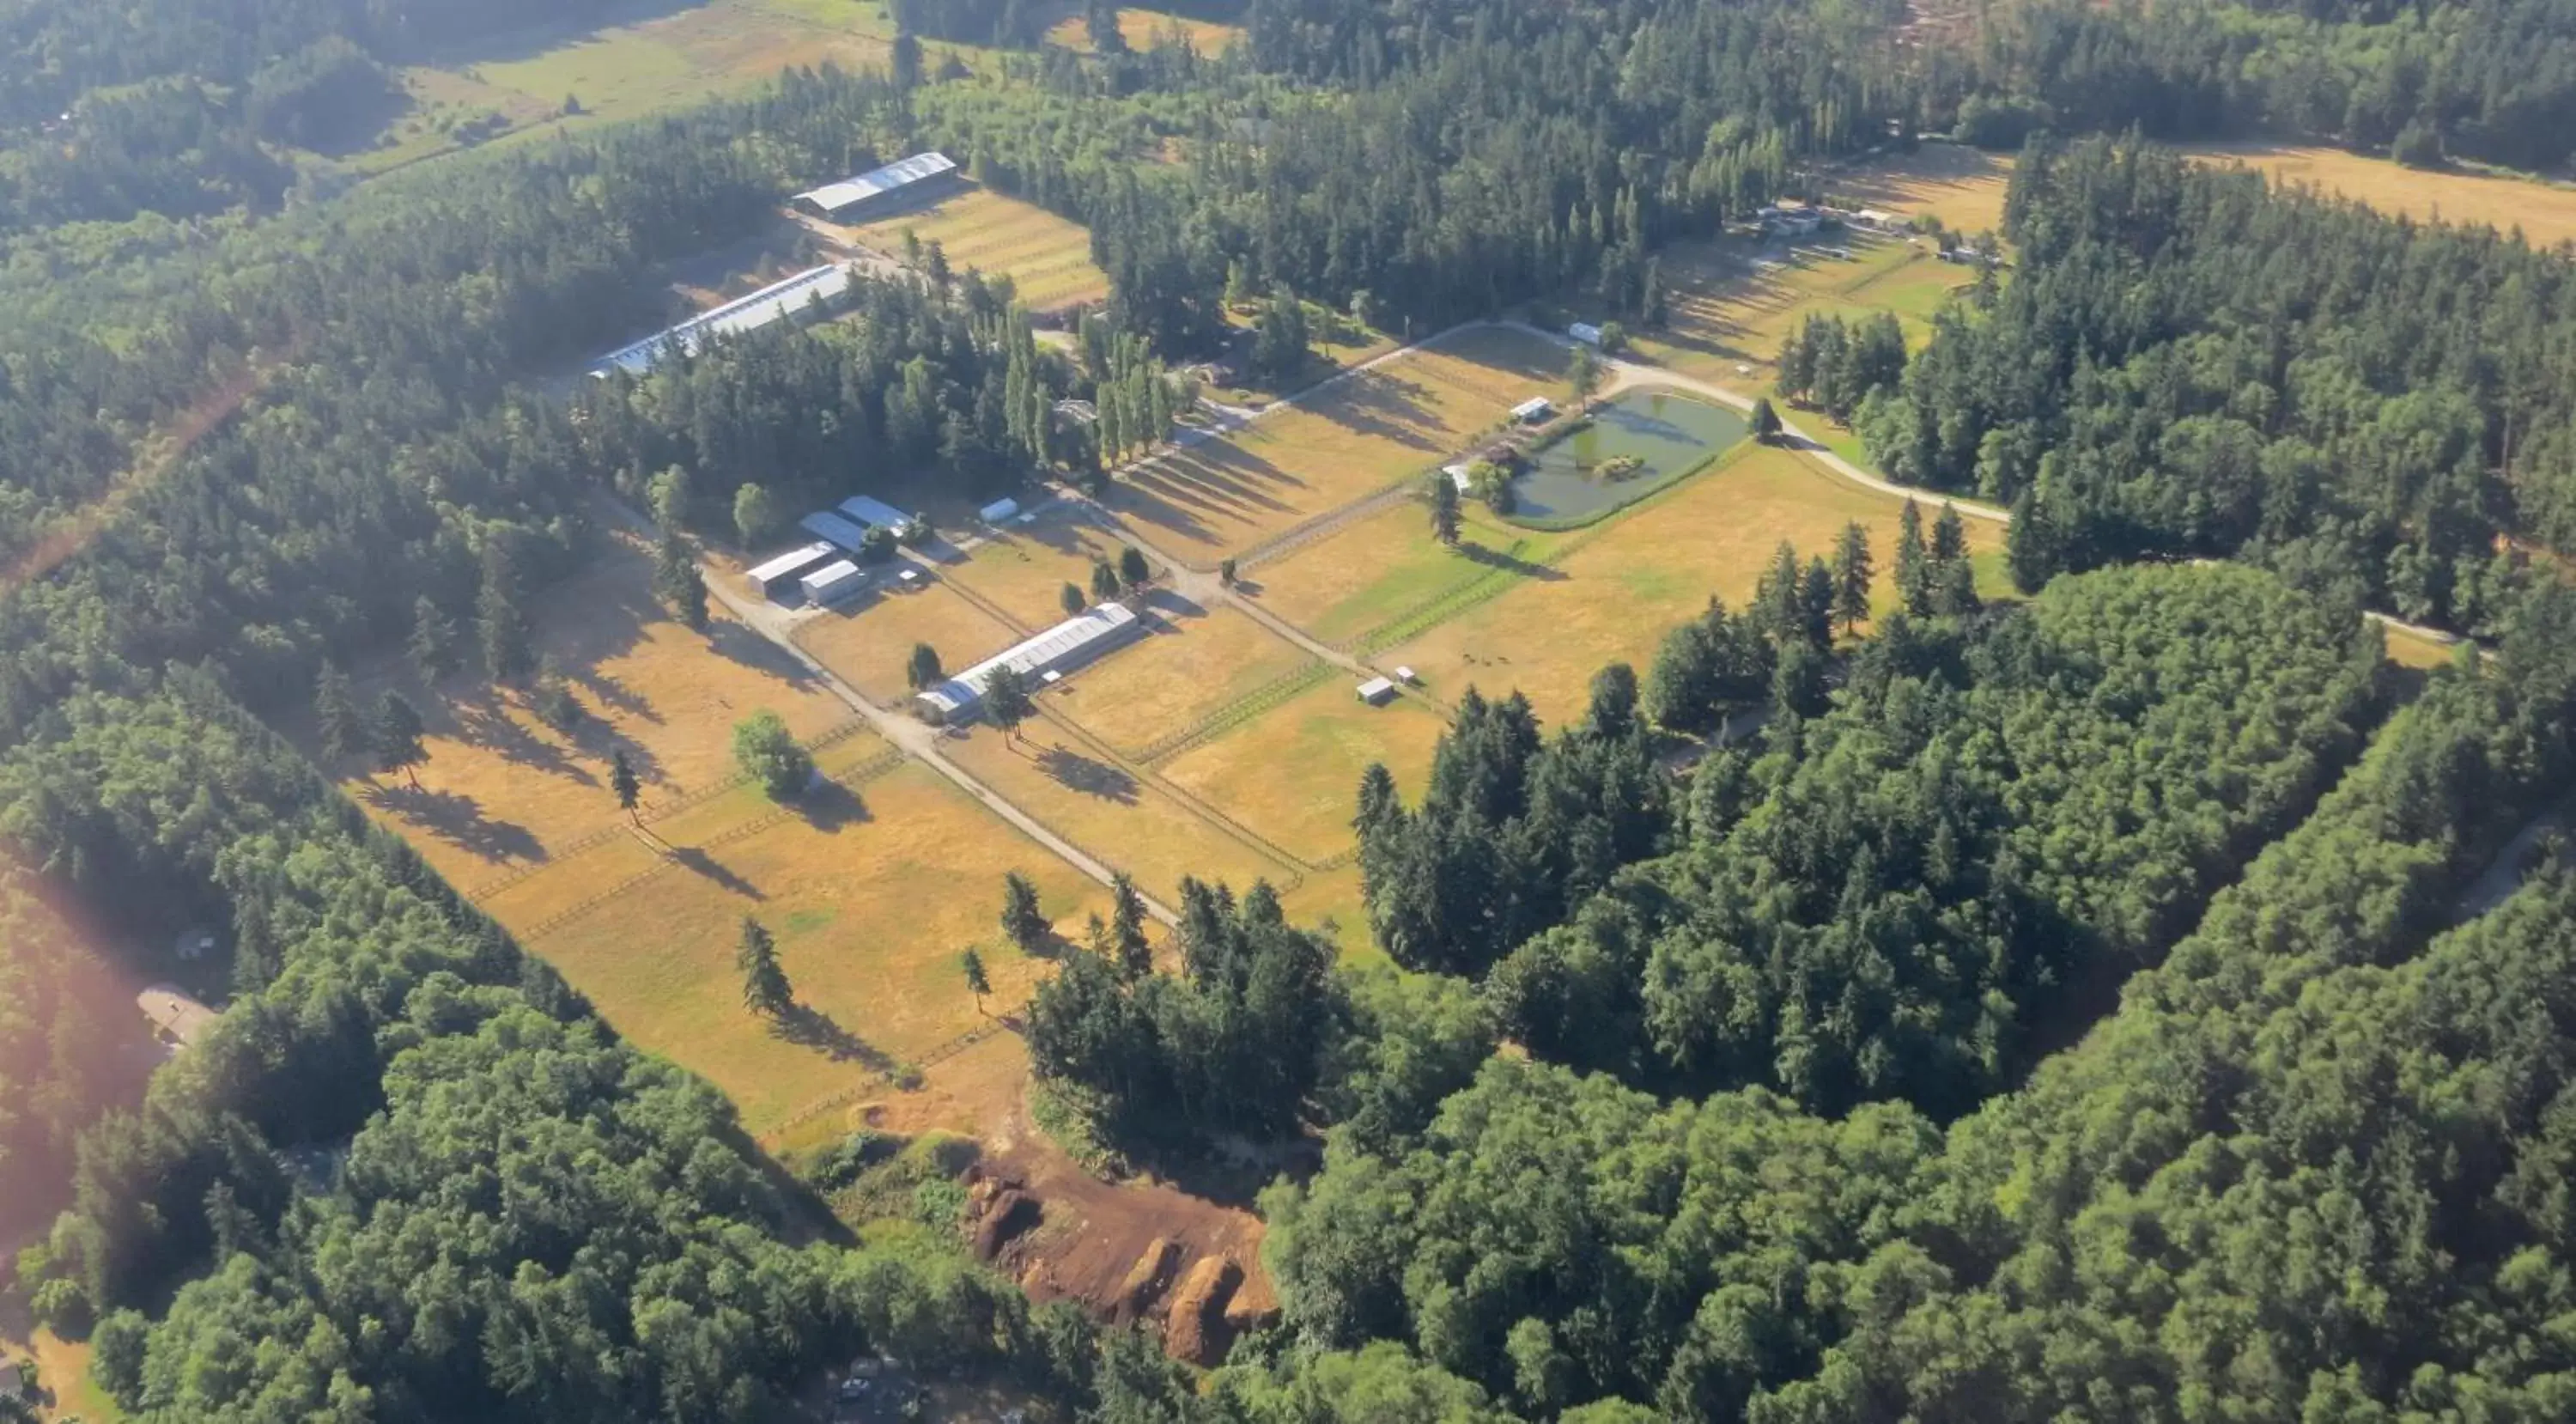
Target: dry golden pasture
[2546,212]
[1293,773]
[1197,663]
[871,889]
[1047,257]
[1612,596]
[1113,809]
[1727,314]
[1023,569]
[502,790]
[1351,438]
[869,640]
[1962,186]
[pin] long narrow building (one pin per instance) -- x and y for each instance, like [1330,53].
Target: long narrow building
[1059,650]
[787,300]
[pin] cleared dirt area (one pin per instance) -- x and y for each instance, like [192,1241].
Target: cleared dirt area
[871,889]
[1613,596]
[1116,811]
[2546,212]
[502,789]
[1347,441]
[1048,257]
[869,641]
[1293,773]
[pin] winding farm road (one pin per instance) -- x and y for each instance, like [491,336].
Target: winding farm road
[916,739]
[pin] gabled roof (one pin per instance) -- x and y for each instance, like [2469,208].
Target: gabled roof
[832,197]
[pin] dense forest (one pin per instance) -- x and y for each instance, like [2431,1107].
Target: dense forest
[1782,1136]
[2187,364]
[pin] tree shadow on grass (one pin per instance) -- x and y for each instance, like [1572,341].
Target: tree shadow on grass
[829,806]
[1087,775]
[1496,559]
[617,696]
[809,1027]
[486,723]
[739,644]
[457,819]
[698,862]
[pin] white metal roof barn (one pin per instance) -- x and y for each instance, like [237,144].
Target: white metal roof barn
[778,300]
[1060,649]
[853,197]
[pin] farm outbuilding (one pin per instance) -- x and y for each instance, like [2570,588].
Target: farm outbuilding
[1585,332]
[998,511]
[1533,410]
[879,190]
[1377,691]
[873,513]
[1042,659]
[831,583]
[780,579]
[824,524]
[792,299]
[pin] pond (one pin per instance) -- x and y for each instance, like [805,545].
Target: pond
[1667,434]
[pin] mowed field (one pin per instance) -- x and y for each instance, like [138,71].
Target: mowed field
[1387,569]
[1611,596]
[503,791]
[1352,438]
[2546,212]
[1048,257]
[872,888]
[662,58]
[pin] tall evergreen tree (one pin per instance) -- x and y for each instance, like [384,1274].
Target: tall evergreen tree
[1913,562]
[978,983]
[1444,508]
[336,717]
[765,990]
[922,669]
[396,736]
[1007,699]
[432,645]
[629,787]
[1127,926]
[1852,573]
[499,624]
[1024,924]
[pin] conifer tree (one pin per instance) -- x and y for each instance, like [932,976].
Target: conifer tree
[1127,927]
[396,736]
[335,713]
[1444,508]
[1913,563]
[499,625]
[1852,573]
[432,647]
[977,982]
[628,787]
[765,990]
[1023,922]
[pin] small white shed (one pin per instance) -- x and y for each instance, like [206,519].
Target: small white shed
[998,511]
[1585,332]
[1377,692]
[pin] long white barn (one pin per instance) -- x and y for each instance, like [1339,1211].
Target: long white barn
[1060,649]
[777,301]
